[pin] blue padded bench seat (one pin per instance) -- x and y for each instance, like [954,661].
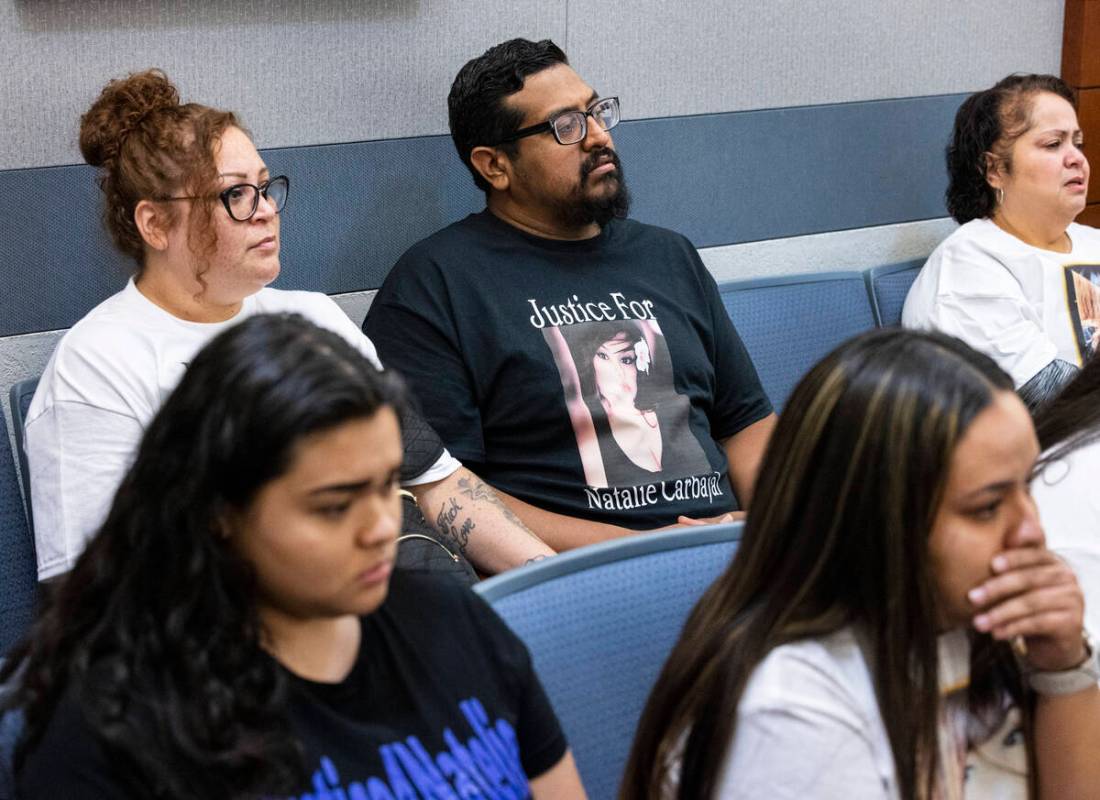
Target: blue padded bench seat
[18,572]
[600,622]
[888,285]
[790,323]
[21,395]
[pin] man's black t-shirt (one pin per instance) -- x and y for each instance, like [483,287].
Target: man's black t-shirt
[591,378]
[442,702]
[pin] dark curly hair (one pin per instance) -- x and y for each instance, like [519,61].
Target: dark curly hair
[147,146]
[1072,419]
[155,633]
[475,104]
[989,122]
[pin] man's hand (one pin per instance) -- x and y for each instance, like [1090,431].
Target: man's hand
[720,519]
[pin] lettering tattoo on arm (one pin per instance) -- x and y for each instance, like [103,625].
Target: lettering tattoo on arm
[479,490]
[446,522]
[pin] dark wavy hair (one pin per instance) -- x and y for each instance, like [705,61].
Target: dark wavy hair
[155,633]
[1072,419]
[475,104]
[838,536]
[988,122]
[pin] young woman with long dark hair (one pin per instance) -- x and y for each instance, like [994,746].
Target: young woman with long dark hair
[233,630]
[860,645]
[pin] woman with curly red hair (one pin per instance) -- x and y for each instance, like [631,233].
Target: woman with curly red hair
[190,200]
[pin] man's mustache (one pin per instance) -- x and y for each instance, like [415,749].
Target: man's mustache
[599,157]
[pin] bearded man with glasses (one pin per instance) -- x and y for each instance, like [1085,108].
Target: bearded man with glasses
[580,361]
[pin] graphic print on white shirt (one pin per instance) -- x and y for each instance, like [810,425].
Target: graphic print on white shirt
[1021,305]
[1083,301]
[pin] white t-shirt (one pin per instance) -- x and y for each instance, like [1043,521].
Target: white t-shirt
[103,384]
[1068,498]
[808,725]
[1020,305]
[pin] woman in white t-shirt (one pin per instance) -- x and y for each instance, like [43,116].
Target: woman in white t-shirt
[1066,485]
[1019,280]
[189,199]
[893,625]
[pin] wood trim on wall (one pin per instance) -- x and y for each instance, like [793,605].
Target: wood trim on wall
[1080,29]
[1081,70]
[1088,117]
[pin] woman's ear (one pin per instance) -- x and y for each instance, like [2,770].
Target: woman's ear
[994,170]
[494,165]
[152,223]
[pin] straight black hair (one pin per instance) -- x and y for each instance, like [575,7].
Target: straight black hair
[837,537]
[1072,419]
[475,104]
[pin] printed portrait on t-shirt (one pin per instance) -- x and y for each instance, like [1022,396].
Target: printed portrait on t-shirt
[1083,295]
[630,423]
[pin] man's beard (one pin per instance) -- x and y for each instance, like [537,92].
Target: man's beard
[581,209]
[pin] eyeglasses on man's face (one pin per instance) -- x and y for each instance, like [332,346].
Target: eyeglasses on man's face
[570,127]
[242,199]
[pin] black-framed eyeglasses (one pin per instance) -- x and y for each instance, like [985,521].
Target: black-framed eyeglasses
[570,127]
[242,199]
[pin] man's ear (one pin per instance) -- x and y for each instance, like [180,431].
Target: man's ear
[152,223]
[494,165]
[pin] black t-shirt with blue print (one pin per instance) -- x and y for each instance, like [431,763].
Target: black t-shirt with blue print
[442,702]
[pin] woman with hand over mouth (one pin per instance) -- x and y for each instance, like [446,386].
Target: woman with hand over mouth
[893,624]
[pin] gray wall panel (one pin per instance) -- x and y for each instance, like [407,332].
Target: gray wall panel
[298,71]
[742,177]
[56,259]
[318,71]
[354,208]
[705,56]
[855,249]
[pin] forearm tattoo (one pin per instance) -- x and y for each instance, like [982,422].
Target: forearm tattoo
[479,490]
[446,522]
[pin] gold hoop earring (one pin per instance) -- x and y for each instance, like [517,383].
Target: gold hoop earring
[1000,196]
